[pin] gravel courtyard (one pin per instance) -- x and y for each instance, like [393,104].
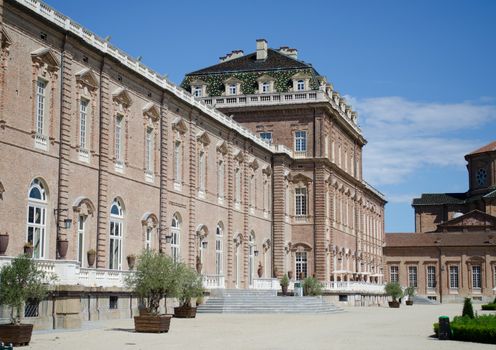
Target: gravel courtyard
[356,328]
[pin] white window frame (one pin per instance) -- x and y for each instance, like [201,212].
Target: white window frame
[116,236]
[413,276]
[80,238]
[394,274]
[149,150]
[454,276]
[219,268]
[41,86]
[37,221]
[301,264]
[431,277]
[232,89]
[176,238]
[301,202]
[83,123]
[300,85]
[148,238]
[265,87]
[118,138]
[301,141]
[266,136]
[476,276]
[198,91]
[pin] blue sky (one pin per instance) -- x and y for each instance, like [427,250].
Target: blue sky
[421,74]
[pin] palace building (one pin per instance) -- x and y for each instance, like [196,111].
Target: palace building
[452,254]
[254,164]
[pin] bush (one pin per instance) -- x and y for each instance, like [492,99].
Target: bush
[311,286]
[393,289]
[481,329]
[488,307]
[436,329]
[468,310]
[284,281]
[190,285]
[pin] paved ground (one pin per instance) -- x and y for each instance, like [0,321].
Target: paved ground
[356,328]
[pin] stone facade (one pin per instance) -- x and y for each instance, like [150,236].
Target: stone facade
[101,152]
[452,254]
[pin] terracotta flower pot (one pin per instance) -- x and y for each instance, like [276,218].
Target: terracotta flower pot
[17,335]
[152,323]
[28,250]
[131,261]
[290,275]
[260,271]
[91,256]
[62,246]
[4,243]
[394,304]
[185,312]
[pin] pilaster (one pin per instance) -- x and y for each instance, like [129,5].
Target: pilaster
[320,209]
[246,228]
[230,215]
[192,248]
[278,209]
[164,137]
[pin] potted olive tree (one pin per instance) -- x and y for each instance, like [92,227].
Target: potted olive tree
[154,278]
[190,286]
[410,292]
[284,282]
[20,281]
[393,290]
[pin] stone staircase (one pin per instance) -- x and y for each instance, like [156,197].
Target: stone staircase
[246,301]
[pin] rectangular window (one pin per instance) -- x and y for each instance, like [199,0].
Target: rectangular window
[301,265]
[83,109]
[301,201]
[220,180]
[198,91]
[40,106]
[233,89]
[80,233]
[31,308]
[453,276]
[431,277]
[201,171]
[265,87]
[113,303]
[412,276]
[118,138]
[149,150]
[177,162]
[218,256]
[476,277]
[266,136]
[301,141]
[394,275]
[115,245]
[148,238]
[300,85]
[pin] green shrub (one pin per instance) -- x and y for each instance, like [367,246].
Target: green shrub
[487,307]
[436,329]
[481,329]
[190,285]
[393,289]
[468,310]
[284,281]
[311,286]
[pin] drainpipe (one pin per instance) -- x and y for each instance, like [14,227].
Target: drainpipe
[441,268]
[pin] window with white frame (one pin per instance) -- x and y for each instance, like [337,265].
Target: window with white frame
[149,150]
[83,123]
[301,264]
[394,275]
[453,276]
[412,276]
[40,106]
[116,235]
[431,277]
[37,218]
[201,171]
[265,87]
[301,141]
[148,237]
[237,185]
[266,136]
[300,85]
[301,201]
[80,238]
[219,249]
[476,277]
[198,91]
[220,179]
[177,162]
[175,240]
[118,138]
[232,89]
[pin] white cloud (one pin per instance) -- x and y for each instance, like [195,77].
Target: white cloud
[405,135]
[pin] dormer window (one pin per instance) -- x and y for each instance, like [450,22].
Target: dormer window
[265,87]
[265,84]
[198,88]
[300,85]
[198,91]
[301,81]
[232,86]
[233,89]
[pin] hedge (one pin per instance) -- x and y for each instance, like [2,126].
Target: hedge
[487,307]
[481,329]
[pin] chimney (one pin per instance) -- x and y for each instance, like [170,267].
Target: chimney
[261,49]
[230,56]
[293,53]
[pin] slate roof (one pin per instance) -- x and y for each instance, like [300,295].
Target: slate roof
[249,63]
[445,239]
[487,148]
[440,198]
[491,194]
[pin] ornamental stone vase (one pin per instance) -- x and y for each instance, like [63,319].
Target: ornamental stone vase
[91,256]
[260,271]
[131,261]
[62,246]
[4,243]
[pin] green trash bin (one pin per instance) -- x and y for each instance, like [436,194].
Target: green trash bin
[298,289]
[444,328]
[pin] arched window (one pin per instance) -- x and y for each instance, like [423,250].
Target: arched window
[176,233]
[37,215]
[116,235]
[219,249]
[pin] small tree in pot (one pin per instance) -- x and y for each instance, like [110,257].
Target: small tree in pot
[20,281]
[154,278]
[284,282]
[393,289]
[190,286]
[410,292]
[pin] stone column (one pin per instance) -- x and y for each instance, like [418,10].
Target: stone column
[103,167]
[164,137]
